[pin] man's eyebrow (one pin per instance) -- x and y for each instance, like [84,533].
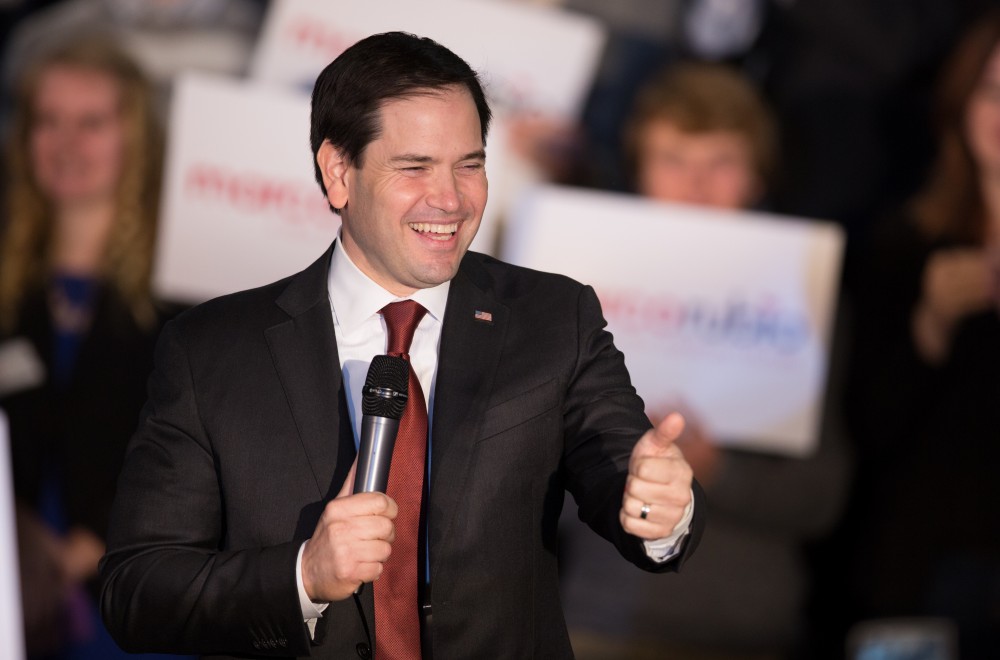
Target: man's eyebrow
[411,158]
[479,154]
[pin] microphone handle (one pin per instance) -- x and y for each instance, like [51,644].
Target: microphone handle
[378,437]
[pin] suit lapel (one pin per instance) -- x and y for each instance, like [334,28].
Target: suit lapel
[467,363]
[304,350]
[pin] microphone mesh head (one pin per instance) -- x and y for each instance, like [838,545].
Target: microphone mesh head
[386,387]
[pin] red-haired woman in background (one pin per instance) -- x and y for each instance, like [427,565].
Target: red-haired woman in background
[927,381]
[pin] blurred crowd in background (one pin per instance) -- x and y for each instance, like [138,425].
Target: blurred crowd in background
[880,115]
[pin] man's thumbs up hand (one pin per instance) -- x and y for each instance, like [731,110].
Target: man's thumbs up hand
[659,482]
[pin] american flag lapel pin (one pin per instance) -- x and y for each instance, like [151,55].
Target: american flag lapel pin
[485,317]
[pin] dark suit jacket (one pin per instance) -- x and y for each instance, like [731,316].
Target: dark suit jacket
[246,436]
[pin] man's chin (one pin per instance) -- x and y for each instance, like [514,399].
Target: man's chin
[435,276]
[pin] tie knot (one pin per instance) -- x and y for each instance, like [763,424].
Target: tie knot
[401,319]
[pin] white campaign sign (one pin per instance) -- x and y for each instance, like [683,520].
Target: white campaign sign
[531,58]
[11,626]
[241,207]
[726,315]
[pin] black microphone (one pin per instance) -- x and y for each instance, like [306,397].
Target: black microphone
[383,399]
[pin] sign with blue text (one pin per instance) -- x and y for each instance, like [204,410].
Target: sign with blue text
[726,316]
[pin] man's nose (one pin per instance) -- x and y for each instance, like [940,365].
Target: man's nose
[444,194]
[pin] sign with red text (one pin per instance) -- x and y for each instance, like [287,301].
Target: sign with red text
[723,315]
[11,626]
[531,57]
[536,62]
[241,206]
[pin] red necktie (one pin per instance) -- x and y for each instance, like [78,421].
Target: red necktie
[397,607]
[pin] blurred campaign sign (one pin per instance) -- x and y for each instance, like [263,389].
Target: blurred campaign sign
[534,61]
[727,315]
[241,207]
[531,57]
[11,627]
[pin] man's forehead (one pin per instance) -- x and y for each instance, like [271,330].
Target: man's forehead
[400,109]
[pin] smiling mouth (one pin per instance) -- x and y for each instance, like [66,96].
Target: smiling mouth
[433,231]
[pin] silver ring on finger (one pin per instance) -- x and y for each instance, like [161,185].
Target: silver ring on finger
[644,511]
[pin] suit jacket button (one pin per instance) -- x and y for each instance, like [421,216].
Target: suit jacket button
[364,651]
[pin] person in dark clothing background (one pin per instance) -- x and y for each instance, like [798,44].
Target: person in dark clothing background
[927,376]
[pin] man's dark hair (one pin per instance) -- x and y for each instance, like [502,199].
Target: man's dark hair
[383,67]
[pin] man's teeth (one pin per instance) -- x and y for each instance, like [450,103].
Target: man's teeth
[443,231]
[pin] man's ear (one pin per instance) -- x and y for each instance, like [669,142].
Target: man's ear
[333,166]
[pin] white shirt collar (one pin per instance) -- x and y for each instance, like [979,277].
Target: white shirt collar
[355,298]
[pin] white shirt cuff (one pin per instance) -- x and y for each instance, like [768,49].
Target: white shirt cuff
[665,549]
[310,611]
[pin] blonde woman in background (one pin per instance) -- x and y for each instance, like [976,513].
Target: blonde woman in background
[77,320]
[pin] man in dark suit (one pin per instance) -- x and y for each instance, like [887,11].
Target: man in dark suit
[235,530]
